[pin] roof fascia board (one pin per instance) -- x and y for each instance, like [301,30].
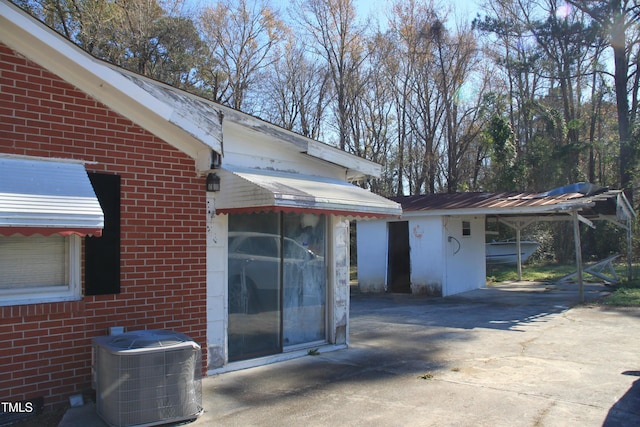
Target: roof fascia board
[205,128]
[39,43]
[524,211]
[624,204]
[353,162]
[528,220]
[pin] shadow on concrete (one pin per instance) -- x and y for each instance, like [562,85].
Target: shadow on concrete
[626,410]
[507,306]
[396,342]
[380,350]
[294,383]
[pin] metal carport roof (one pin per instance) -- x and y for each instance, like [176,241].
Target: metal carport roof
[593,203]
[579,202]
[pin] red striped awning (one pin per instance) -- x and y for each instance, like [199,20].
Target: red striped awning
[255,190]
[47,197]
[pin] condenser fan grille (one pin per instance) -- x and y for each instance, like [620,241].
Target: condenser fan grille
[154,384]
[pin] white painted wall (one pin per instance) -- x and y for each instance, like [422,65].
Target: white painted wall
[427,255]
[339,281]
[443,261]
[372,244]
[217,279]
[250,149]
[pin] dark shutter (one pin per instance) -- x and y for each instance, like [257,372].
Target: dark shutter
[102,254]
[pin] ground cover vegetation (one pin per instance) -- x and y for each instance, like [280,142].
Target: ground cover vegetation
[525,95]
[537,272]
[624,294]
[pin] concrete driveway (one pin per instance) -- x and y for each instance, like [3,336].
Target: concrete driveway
[513,355]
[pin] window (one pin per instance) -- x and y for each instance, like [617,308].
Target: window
[45,208]
[466,228]
[38,269]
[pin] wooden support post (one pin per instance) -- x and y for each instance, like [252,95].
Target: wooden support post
[629,249]
[578,245]
[519,253]
[518,225]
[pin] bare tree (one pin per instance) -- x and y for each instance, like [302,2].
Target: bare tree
[378,116]
[242,37]
[297,91]
[418,110]
[438,82]
[339,40]
[456,57]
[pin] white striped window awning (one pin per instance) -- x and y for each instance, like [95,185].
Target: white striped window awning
[254,190]
[47,197]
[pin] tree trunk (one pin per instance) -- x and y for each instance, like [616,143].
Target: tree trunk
[618,43]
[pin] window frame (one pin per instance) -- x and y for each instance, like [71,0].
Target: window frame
[466,228]
[71,291]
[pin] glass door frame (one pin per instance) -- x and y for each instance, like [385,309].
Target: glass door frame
[245,353]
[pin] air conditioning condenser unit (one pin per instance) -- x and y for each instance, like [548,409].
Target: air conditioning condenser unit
[147,378]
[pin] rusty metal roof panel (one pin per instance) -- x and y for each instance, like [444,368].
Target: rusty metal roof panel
[465,201]
[592,201]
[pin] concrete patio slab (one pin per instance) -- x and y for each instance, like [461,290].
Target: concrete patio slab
[520,354]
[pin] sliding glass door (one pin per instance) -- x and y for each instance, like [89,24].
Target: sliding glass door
[277,282]
[254,285]
[304,279]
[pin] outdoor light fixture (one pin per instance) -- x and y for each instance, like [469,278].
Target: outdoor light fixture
[213,182]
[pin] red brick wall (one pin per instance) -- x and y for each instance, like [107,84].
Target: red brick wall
[45,349]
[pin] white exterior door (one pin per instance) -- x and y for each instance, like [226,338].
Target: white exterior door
[465,259]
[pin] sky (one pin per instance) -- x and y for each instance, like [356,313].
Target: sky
[466,9]
[461,8]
